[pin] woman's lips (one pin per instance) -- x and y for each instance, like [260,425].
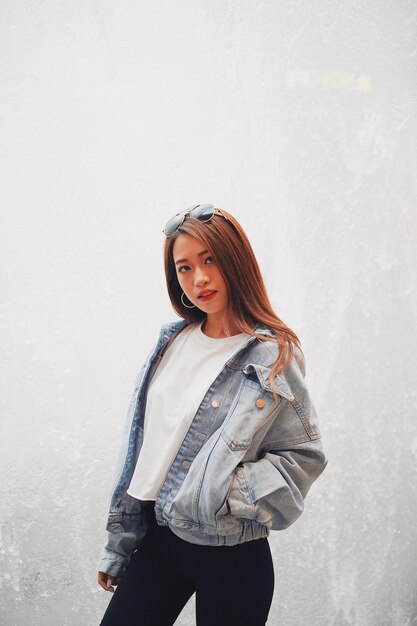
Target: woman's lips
[208,296]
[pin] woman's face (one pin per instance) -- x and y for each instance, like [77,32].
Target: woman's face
[196,271]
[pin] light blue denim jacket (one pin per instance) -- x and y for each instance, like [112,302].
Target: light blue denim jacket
[244,467]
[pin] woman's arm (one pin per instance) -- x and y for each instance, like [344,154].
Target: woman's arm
[118,550]
[272,490]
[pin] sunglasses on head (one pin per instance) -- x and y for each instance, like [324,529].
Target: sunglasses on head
[203,212]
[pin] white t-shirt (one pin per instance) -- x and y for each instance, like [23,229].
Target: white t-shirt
[188,367]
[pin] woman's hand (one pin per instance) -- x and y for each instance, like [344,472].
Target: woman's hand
[106,580]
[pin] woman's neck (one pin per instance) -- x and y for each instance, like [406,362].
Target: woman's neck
[216,330]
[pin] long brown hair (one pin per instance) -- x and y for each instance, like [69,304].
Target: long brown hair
[248,301]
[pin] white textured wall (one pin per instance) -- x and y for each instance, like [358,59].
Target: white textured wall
[300,119]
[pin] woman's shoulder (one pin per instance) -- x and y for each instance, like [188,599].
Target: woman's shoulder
[174,325]
[171,330]
[270,349]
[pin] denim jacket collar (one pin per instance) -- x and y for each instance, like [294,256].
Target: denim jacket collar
[177,325]
[262,370]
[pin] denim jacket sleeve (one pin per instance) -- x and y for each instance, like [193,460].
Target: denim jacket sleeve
[123,537]
[125,532]
[272,489]
[117,552]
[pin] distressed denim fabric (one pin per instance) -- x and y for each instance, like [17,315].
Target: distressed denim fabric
[244,467]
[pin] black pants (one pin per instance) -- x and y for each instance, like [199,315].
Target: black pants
[234,585]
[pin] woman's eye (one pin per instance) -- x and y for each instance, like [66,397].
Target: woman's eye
[186,266]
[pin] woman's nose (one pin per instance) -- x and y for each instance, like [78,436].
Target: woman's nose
[200,277]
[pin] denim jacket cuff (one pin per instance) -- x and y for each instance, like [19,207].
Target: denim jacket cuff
[112,563]
[239,499]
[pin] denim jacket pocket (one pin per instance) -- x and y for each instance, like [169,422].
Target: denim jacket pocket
[252,416]
[226,523]
[202,496]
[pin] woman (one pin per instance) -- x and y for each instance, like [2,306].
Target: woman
[221,442]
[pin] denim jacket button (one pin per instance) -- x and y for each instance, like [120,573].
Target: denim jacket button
[260,403]
[215,403]
[186,464]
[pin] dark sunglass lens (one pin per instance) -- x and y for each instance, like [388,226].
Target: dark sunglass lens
[203,211]
[172,224]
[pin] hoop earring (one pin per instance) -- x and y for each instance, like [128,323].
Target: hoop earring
[188,307]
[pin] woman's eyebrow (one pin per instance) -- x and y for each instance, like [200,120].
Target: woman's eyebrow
[182,260]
